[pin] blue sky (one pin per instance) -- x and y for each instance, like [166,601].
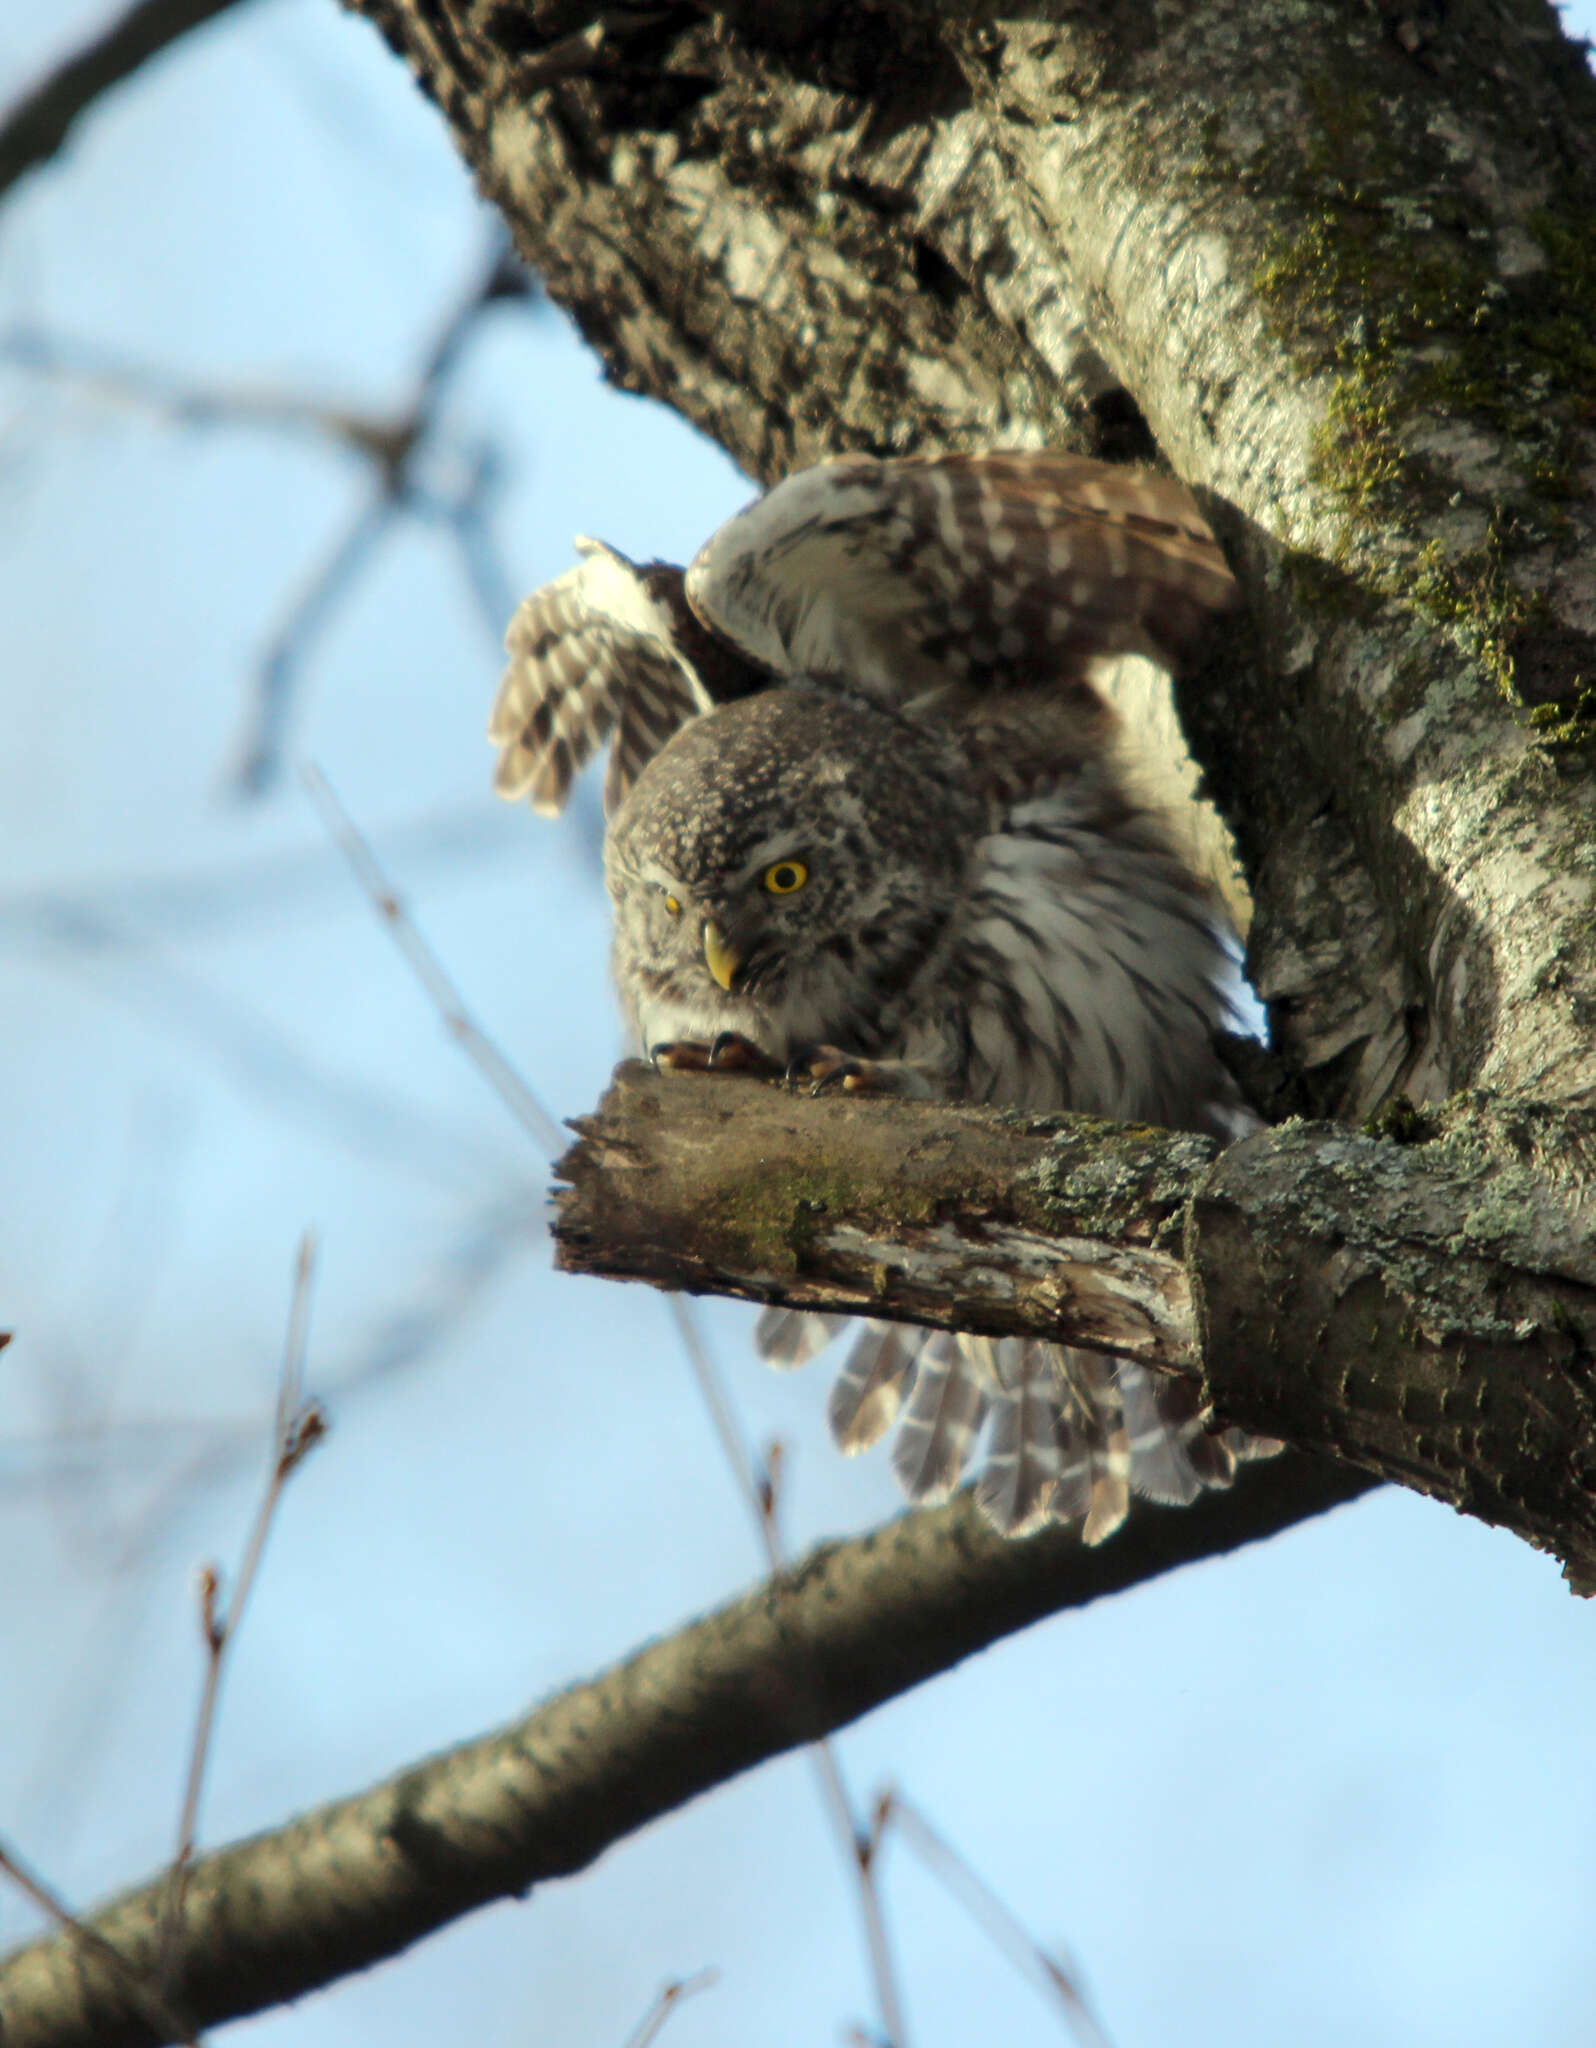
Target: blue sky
[1336,1788]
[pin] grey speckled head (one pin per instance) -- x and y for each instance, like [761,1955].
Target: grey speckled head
[864,814]
[854,775]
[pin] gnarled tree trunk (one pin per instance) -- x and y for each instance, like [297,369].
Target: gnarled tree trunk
[1336,266]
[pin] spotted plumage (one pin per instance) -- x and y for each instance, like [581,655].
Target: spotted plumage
[868,817]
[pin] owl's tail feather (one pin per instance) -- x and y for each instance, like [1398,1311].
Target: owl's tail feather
[1095,1472]
[1020,1476]
[869,1390]
[1070,1435]
[946,1406]
[790,1337]
[1172,1456]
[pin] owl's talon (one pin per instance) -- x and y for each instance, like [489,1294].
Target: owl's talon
[678,1056]
[828,1067]
[799,1063]
[728,1053]
[731,1053]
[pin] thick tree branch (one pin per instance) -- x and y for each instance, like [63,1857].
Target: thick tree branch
[853,1624]
[1425,1309]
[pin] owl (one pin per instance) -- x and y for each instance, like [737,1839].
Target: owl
[870,829]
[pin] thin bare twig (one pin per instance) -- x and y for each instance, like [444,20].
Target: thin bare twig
[161,2015]
[984,1906]
[671,1995]
[494,1068]
[759,1482]
[310,613]
[861,1858]
[134,913]
[467,519]
[298,1426]
[759,1487]
[400,447]
[75,1464]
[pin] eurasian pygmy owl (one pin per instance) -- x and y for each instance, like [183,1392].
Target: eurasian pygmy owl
[868,824]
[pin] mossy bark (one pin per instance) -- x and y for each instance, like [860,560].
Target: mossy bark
[1419,1300]
[1336,265]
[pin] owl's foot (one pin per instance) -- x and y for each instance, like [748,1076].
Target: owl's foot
[826,1067]
[729,1053]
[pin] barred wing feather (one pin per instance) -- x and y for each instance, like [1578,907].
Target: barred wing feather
[595,655]
[900,578]
[995,571]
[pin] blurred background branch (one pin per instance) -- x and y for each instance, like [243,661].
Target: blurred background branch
[418,471]
[849,1626]
[41,120]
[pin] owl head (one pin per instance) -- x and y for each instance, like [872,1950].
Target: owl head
[781,867]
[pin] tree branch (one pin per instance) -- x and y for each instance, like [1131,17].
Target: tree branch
[851,1625]
[40,122]
[1425,1309]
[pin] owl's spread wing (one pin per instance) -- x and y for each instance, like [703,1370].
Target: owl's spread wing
[995,571]
[610,651]
[899,578]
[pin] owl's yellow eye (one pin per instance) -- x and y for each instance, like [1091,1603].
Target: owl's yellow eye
[673,905]
[786,877]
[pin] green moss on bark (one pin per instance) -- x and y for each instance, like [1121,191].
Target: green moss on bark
[1456,350]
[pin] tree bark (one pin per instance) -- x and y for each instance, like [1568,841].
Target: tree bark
[1338,264]
[849,1626]
[1422,1304]
[1337,267]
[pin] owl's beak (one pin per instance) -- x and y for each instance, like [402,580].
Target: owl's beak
[724,960]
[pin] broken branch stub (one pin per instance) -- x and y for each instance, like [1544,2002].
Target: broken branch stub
[1425,1310]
